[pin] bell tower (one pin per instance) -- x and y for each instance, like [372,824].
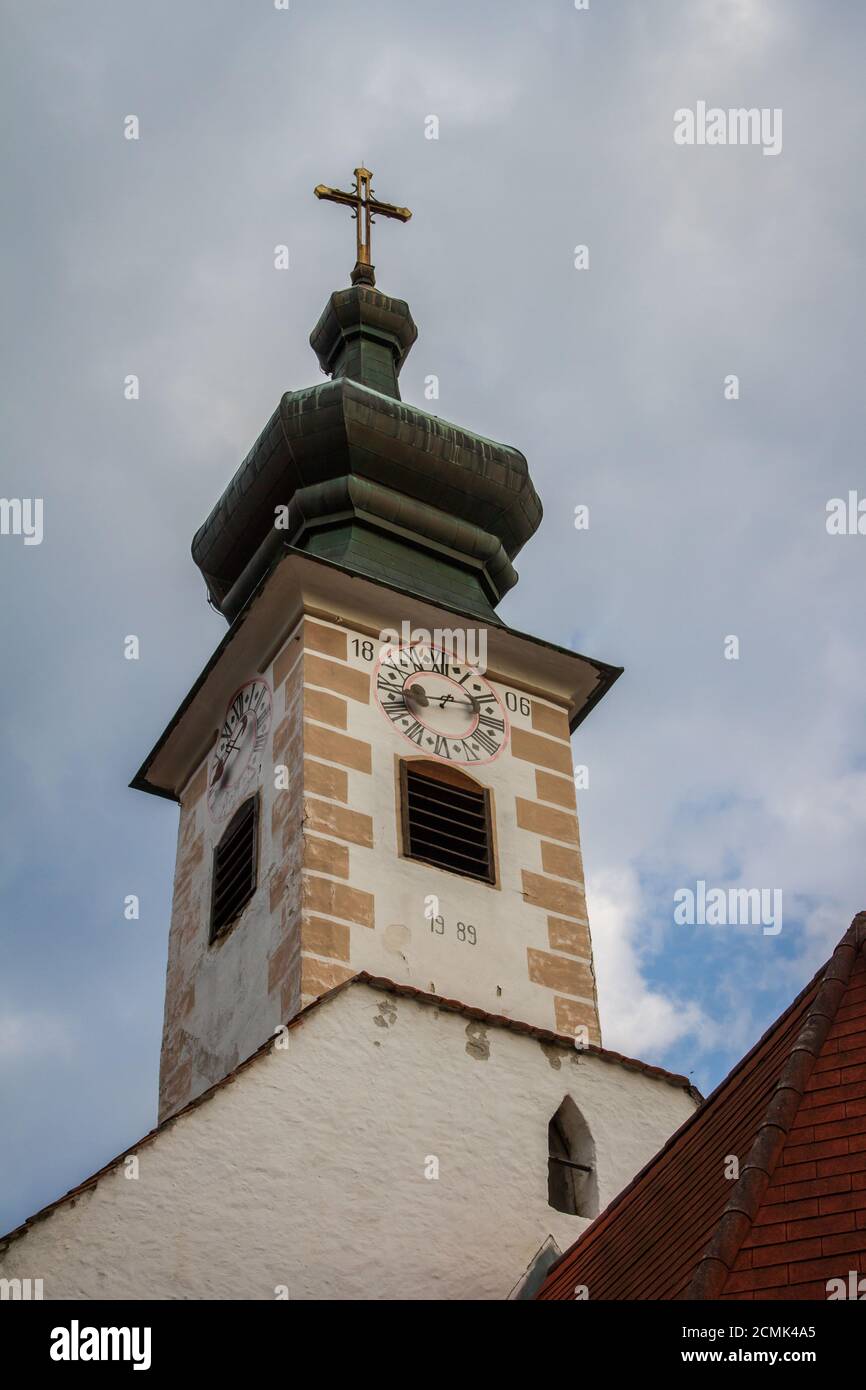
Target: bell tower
[374,772]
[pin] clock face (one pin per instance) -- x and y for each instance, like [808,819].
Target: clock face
[236,760]
[447,710]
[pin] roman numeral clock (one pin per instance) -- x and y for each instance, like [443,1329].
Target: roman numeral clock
[236,763]
[446,710]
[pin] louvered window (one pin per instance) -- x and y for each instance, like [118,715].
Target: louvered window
[234,867]
[446,821]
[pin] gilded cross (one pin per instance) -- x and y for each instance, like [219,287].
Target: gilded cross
[364,205]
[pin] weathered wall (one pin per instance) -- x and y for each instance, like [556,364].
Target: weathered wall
[335,896]
[532,958]
[307,1170]
[223,998]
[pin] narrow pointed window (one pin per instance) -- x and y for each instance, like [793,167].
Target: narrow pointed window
[572,1185]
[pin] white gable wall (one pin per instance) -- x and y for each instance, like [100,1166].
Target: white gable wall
[307,1170]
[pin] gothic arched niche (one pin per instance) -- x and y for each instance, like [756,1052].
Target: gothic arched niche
[572,1182]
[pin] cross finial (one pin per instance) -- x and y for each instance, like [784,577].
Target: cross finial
[363,205]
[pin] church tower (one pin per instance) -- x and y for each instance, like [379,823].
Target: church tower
[374,772]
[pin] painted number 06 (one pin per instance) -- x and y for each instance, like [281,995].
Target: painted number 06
[516,702]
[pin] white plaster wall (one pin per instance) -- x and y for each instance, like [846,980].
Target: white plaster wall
[308,1169]
[232,1011]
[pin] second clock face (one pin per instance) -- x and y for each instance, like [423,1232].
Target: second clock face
[236,760]
[445,709]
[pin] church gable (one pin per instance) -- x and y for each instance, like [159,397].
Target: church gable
[276,1182]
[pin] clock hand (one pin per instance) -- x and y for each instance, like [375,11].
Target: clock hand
[470,700]
[419,694]
[221,762]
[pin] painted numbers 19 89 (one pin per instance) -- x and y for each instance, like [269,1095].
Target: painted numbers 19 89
[464,930]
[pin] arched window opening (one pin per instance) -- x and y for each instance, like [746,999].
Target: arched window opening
[447,819]
[572,1185]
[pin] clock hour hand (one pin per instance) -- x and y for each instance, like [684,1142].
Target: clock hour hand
[418,693]
[221,762]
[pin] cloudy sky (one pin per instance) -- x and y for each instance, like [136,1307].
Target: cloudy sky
[707,515]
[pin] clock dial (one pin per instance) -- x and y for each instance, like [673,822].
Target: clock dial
[236,761]
[447,710]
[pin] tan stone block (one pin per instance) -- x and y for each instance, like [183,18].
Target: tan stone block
[293,690]
[550,721]
[564,863]
[188,863]
[286,813]
[326,781]
[553,895]
[318,976]
[571,1015]
[326,938]
[337,748]
[194,855]
[547,752]
[326,856]
[339,822]
[345,680]
[196,788]
[328,640]
[178,1005]
[560,972]
[549,787]
[544,820]
[290,996]
[338,900]
[286,738]
[284,959]
[290,653]
[188,827]
[174,1087]
[327,709]
[188,923]
[276,889]
[572,937]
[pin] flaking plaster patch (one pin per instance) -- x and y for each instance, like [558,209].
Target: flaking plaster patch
[395,938]
[387,1015]
[477,1042]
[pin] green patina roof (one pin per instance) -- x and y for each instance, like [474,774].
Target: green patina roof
[363,477]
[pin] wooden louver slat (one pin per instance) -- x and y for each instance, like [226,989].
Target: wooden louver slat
[234,867]
[446,825]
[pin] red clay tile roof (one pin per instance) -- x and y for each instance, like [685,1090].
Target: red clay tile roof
[390,987]
[794,1112]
